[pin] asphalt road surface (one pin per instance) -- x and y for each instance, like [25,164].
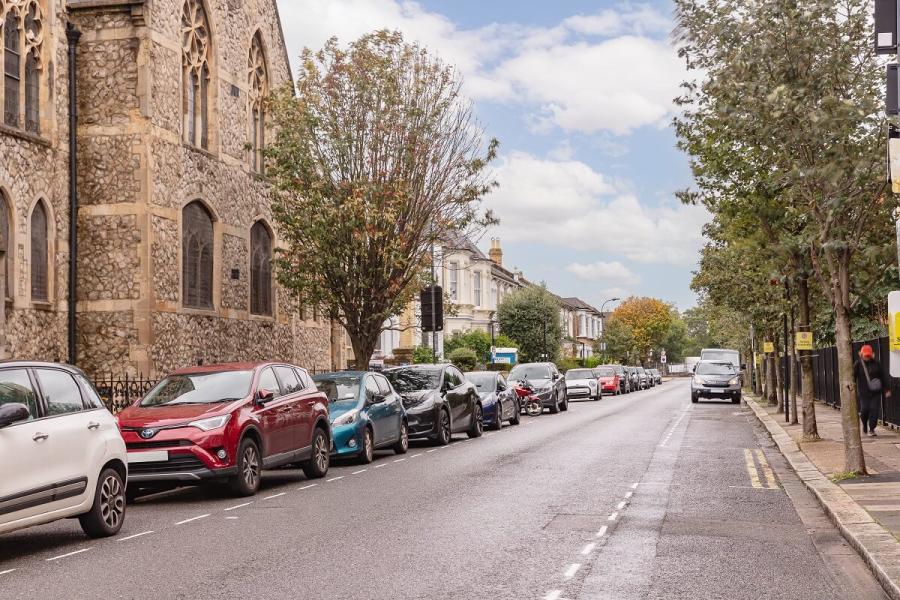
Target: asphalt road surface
[638,496]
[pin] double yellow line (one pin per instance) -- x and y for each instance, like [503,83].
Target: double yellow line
[755,479]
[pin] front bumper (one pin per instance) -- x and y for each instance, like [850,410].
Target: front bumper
[546,397]
[732,391]
[347,439]
[184,455]
[580,392]
[422,425]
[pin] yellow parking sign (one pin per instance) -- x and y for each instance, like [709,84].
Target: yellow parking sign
[895,331]
[804,340]
[768,347]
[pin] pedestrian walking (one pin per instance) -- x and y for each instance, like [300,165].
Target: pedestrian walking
[869,389]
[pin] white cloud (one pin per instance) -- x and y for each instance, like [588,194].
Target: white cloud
[567,203]
[604,272]
[572,76]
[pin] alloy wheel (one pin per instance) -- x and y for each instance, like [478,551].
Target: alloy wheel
[112,501]
[404,436]
[369,446]
[250,467]
[321,451]
[446,434]
[479,419]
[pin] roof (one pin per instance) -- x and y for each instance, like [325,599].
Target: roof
[455,240]
[580,304]
[235,366]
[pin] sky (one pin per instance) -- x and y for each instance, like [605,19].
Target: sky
[580,95]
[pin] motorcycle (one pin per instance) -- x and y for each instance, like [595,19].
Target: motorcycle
[528,400]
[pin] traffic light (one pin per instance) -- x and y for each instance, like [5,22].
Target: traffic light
[886,26]
[432,299]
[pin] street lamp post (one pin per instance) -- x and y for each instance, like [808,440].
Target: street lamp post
[603,319]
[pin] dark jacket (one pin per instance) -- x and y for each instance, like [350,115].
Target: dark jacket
[862,384]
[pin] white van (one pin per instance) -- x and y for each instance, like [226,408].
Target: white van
[722,355]
[61,453]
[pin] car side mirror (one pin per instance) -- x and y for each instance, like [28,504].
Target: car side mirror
[555,376]
[264,395]
[13,413]
[375,398]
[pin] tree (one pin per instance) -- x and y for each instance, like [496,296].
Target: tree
[649,320]
[619,340]
[376,156]
[464,358]
[479,341]
[530,316]
[788,123]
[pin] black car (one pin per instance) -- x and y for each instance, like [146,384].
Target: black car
[624,379]
[656,375]
[439,402]
[499,401]
[548,384]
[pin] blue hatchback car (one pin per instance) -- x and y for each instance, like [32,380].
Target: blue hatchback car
[366,414]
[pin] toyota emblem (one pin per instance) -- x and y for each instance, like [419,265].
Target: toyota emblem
[147,433]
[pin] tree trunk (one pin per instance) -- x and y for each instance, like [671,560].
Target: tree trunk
[807,386]
[363,344]
[771,394]
[792,361]
[854,459]
[779,385]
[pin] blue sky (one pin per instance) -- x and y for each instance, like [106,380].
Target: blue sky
[580,96]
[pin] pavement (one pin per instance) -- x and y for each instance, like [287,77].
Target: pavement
[865,509]
[637,496]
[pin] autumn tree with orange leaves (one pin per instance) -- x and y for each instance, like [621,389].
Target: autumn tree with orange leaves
[650,321]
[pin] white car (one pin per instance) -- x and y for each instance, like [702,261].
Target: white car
[582,383]
[61,453]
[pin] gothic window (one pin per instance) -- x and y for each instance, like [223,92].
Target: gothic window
[260,270]
[259,87]
[197,256]
[39,254]
[21,30]
[195,66]
[4,242]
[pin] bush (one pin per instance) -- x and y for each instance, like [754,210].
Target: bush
[567,363]
[422,355]
[464,358]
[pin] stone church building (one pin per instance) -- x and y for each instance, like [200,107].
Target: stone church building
[174,229]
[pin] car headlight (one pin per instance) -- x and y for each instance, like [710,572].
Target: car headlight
[592,383]
[733,381]
[210,423]
[699,380]
[347,418]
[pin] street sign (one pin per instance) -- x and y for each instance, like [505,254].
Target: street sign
[662,359]
[804,340]
[886,26]
[768,347]
[894,332]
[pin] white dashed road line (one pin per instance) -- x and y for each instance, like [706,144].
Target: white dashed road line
[238,506]
[358,472]
[602,531]
[306,487]
[588,549]
[274,496]
[192,519]
[381,465]
[69,554]
[400,460]
[629,495]
[554,595]
[573,568]
[614,516]
[7,572]
[333,479]
[432,450]
[634,486]
[416,455]
[621,505]
[131,537]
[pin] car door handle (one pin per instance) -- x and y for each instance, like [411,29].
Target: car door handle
[40,437]
[93,425]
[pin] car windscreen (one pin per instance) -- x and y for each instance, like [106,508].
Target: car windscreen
[414,380]
[605,372]
[721,355]
[200,388]
[713,368]
[340,389]
[484,382]
[579,374]
[522,372]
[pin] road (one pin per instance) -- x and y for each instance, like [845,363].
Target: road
[639,496]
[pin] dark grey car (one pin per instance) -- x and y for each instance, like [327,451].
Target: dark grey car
[716,379]
[548,384]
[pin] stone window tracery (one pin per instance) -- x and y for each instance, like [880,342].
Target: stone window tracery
[260,270]
[195,57]
[22,37]
[197,247]
[39,254]
[258,81]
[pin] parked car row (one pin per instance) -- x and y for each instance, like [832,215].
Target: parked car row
[594,383]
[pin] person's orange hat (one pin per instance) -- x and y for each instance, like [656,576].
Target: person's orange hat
[866,351]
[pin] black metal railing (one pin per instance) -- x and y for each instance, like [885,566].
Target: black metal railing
[120,392]
[827,383]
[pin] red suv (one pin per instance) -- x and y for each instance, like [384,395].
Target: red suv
[226,422]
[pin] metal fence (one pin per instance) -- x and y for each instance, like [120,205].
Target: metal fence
[120,392]
[826,382]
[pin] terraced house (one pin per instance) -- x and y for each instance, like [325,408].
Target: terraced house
[174,228]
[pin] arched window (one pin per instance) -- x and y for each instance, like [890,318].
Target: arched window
[5,244]
[260,270]
[195,70]
[21,28]
[197,256]
[39,254]
[259,88]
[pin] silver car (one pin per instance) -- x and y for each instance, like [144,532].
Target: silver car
[716,379]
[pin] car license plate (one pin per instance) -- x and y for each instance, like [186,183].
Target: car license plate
[144,457]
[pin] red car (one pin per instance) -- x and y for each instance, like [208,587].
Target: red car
[608,380]
[226,423]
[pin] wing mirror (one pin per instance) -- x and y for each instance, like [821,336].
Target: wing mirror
[264,395]
[555,376]
[13,413]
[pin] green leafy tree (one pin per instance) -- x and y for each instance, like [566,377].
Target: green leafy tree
[376,155]
[619,340]
[649,320]
[479,341]
[464,358]
[422,355]
[531,317]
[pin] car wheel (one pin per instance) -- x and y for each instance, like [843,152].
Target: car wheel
[517,414]
[402,445]
[317,465]
[443,433]
[249,466]
[497,423]
[367,454]
[554,408]
[564,405]
[108,510]
[694,399]
[477,427]
[736,399]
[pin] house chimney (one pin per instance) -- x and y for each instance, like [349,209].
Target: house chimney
[496,253]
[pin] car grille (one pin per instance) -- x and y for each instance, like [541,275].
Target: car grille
[160,444]
[175,464]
